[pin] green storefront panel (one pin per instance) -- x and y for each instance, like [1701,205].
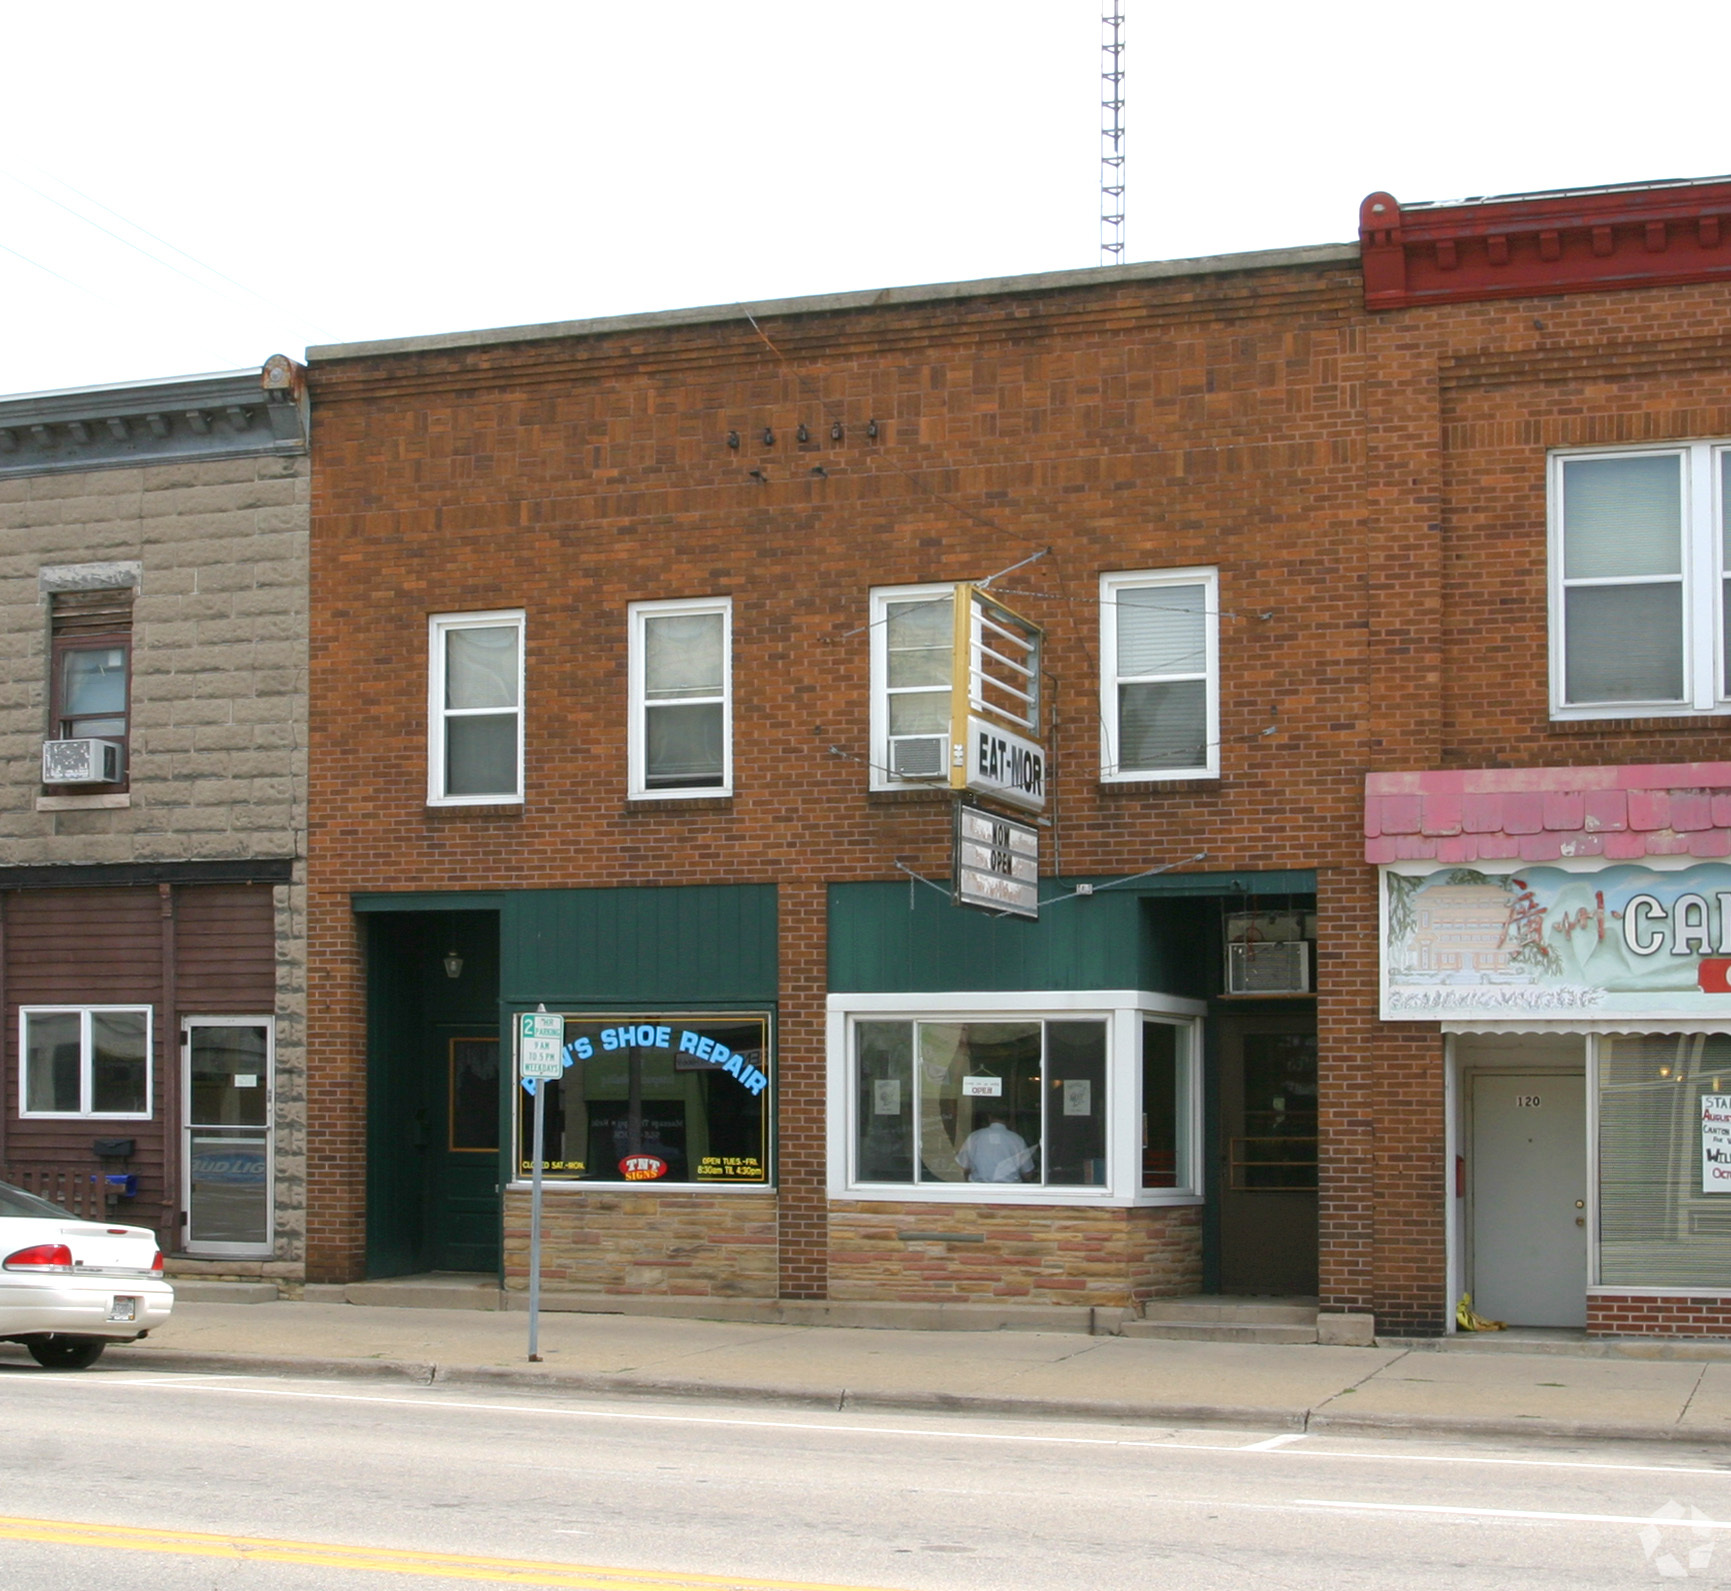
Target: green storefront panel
[1159,934]
[681,945]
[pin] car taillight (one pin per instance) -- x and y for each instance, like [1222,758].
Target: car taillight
[156,1264]
[40,1257]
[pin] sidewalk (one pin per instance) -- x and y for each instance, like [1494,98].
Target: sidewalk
[1390,1388]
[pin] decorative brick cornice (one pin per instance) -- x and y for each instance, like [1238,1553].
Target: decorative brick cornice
[228,415]
[1623,814]
[1649,234]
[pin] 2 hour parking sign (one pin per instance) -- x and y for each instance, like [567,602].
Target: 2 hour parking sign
[540,1041]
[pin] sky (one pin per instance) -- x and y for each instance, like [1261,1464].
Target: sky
[185,189]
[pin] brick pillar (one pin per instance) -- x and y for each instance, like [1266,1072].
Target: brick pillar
[803,1207]
[336,1087]
[1346,1126]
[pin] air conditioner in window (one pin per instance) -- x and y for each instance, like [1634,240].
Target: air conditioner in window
[1280,966]
[917,756]
[81,762]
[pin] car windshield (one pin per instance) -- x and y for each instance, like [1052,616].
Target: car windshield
[15,1201]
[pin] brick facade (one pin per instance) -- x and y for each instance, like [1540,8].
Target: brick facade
[1370,486]
[681,1245]
[1674,1315]
[1031,1254]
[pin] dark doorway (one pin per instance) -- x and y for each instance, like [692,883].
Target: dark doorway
[434,1089]
[1267,1152]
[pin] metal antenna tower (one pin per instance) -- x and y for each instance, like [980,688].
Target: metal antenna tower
[1112,136]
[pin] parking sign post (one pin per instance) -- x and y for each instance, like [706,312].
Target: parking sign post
[540,1058]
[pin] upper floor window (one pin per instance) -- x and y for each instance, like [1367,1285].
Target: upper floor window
[912,652]
[1160,675]
[1638,568]
[475,708]
[681,740]
[90,666]
[84,1061]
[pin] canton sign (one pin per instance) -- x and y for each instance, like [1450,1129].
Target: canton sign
[997,863]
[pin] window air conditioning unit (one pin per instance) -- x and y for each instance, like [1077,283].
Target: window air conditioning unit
[1280,966]
[81,762]
[918,756]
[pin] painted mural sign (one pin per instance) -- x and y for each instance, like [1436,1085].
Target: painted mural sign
[1548,942]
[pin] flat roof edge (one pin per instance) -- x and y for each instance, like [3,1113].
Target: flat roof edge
[827,303]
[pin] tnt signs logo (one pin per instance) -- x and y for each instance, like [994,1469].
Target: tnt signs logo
[642,1168]
[1679,1542]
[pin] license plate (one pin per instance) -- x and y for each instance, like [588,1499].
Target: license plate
[123,1309]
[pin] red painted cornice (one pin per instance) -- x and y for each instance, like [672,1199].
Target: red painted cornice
[1581,240]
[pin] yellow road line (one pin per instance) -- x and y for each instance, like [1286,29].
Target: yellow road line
[387,1560]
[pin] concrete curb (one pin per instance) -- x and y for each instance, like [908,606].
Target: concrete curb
[1498,1425]
[1188,1415]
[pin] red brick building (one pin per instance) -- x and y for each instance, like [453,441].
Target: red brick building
[635,696]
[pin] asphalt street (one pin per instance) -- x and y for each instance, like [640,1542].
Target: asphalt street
[249,1482]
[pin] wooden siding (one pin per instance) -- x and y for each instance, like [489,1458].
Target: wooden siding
[225,950]
[106,947]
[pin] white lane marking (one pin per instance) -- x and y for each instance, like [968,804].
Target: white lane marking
[1499,1513]
[1269,1443]
[638,1416]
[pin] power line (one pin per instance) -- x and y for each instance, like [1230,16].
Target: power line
[167,265]
[47,271]
[174,248]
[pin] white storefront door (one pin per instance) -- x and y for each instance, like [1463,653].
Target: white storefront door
[227,1087]
[1528,1172]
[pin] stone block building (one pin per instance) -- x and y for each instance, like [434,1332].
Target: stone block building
[153,590]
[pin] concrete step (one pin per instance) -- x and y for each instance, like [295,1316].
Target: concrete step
[436,1291]
[1210,1310]
[1220,1331]
[195,1290]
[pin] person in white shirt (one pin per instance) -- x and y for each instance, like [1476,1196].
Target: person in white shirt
[994,1153]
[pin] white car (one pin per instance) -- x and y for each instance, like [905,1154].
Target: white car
[68,1287]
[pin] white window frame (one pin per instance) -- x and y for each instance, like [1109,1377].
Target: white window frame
[1705,690]
[881,598]
[638,749]
[440,625]
[1152,579]
[84,1113]
[1122,1010]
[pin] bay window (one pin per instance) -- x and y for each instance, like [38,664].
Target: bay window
[1014,1097]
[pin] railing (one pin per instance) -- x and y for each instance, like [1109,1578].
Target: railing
[1268,1165]
[77,1190]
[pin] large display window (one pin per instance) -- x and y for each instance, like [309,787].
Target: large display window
[658,1100]
[1664,1213]
[1015,1098]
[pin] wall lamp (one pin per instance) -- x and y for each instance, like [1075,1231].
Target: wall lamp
[453,964]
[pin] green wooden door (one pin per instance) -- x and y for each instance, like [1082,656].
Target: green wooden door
[463,1150]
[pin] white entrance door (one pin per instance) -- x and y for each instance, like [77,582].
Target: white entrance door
[227,1089]
[1528,1166]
